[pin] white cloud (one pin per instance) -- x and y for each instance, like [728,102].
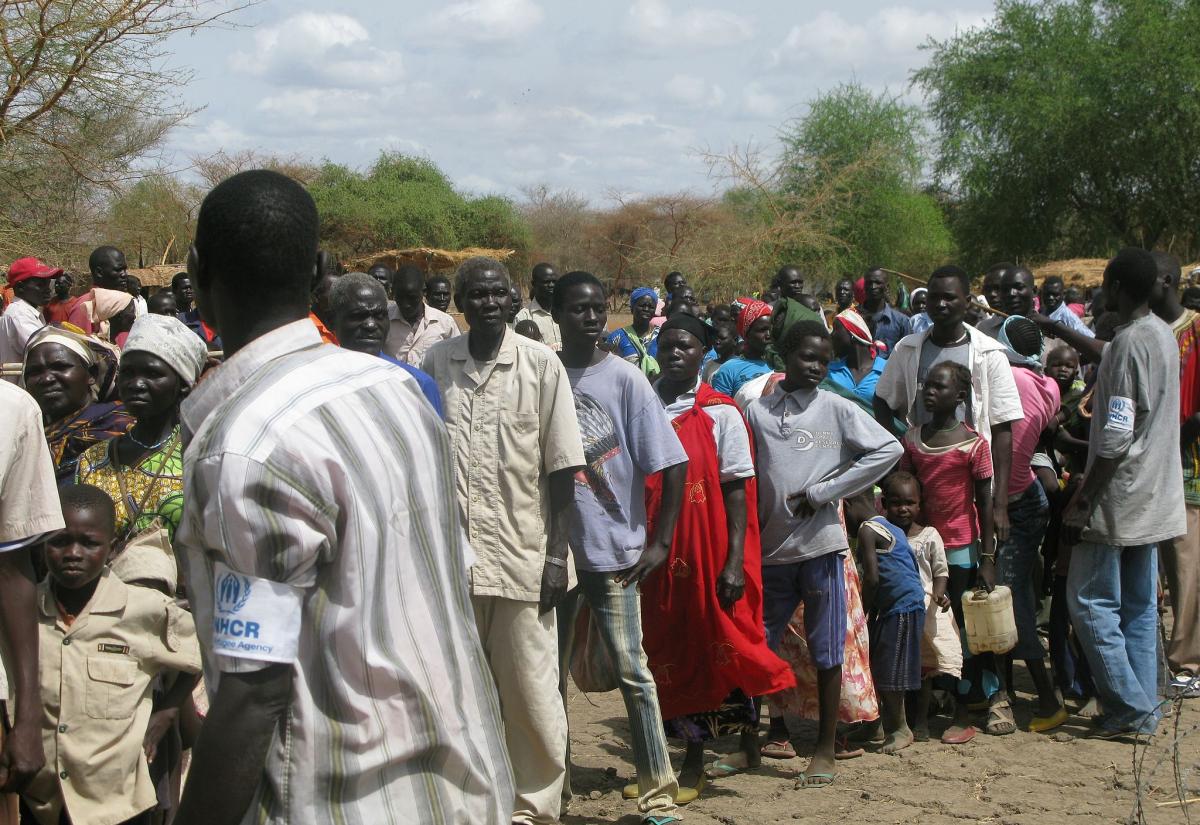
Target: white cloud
[694,91]
[892,36]
[319,51]
[654,24]
[486,21]
[759,102]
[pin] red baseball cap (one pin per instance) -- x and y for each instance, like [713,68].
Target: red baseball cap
[23,269]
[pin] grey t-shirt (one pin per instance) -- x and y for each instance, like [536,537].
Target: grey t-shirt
[1135,418]
[991,325]
[932,354]
[819,442]
[627,435]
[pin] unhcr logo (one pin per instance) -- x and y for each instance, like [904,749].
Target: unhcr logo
[233,591]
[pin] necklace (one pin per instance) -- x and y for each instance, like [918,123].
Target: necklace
[953,426]
[145,446]
[955,343]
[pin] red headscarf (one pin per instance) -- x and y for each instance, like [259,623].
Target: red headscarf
[751,311]
[858,329]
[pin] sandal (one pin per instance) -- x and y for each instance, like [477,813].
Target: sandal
[1000,721]
[843,750]
[810,781]
[728,765]
[779,749]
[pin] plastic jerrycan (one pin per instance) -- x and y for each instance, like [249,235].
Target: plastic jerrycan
[991,625]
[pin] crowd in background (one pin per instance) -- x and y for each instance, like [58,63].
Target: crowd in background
[287,544]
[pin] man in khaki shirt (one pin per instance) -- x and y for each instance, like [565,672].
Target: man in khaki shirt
[414,326]
[511,420]
[98,660]
[544,278]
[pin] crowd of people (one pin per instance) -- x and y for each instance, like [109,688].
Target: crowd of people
[286,544]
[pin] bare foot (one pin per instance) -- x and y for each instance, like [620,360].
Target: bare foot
[897,740]
[920,733]
[1090,710]
[821,766]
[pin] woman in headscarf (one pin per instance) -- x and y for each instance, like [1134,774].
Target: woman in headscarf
[638,342]
[754,328]
[712,582]
[70,376]
[142,470]
[920,318]
[857,365]
[114,313]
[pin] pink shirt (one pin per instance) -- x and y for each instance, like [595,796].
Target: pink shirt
[948,476]
[1039,400]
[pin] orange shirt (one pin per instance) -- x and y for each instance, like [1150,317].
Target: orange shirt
[326,336]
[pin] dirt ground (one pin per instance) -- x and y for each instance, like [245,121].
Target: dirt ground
[1022,779]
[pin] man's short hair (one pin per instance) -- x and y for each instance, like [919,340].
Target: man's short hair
[438,278]
[346,289]
[1053,279]
[1168,266]
[571,280]
[956,272]
[1135,272]
[90,498]
[406,275]
[473,266]
[798,332]
[99,255]
[176,278]
[260,228]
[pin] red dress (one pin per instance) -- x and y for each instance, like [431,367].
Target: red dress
[699,653]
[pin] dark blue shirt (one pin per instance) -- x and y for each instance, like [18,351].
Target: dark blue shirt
[889,326]
[425,381]
[900,589]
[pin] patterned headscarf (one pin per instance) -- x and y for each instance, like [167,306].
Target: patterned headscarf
[171,340]
[750,311]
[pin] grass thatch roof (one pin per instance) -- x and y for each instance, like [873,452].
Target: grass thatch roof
[158,275]
[1083,272]
[428,260]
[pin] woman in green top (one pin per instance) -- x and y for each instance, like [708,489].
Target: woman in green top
[638,342]
[142,470]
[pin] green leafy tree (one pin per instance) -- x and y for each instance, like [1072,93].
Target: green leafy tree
[1069,128]
[868,148]
[404,201]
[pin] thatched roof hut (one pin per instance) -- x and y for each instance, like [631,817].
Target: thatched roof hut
[159,275]
[1083,272]
[426,259]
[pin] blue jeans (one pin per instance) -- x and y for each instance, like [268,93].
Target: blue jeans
[618,614]
[1015,563]
[1111,592]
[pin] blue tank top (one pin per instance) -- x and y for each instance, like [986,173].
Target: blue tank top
[900,589]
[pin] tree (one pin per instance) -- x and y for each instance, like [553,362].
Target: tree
[868,147]
[404,201]
[86,93]
[1070,127]
[153,220]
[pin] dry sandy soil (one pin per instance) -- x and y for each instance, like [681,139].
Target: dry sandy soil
[1022,779]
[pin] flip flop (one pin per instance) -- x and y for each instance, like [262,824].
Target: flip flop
[779,749]
[728,765]
[842,749]
[656,819]
[959,736]
[812,781]
[1041,724]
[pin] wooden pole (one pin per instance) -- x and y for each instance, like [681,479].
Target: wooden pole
[921,283]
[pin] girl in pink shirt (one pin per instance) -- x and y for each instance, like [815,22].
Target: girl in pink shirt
[954,465]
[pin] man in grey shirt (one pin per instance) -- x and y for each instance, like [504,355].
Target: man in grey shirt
[1131,499]
[813,448]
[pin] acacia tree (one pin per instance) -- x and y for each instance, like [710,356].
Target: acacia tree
[86,92]
[1068,127]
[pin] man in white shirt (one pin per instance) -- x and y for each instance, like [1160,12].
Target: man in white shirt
[32,282]
[1055,306]
[544,278]
[413,325]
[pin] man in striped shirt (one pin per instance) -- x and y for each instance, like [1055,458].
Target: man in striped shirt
[328,581]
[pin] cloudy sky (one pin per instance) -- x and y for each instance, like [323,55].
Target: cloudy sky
[608,95]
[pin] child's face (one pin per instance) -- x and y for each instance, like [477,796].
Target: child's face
[1063,366]
[808,363]
[941,393]
[77,555]
[902,504]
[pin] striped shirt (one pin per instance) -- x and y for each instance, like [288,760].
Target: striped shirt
[301,474]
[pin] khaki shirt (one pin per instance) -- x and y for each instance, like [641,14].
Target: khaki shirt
[409,342]
[29,503]
[551,336]
[96,680]
[511,423]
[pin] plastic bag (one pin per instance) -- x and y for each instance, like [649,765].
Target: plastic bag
[591,664]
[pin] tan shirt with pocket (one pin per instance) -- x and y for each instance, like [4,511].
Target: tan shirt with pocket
[96,680]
